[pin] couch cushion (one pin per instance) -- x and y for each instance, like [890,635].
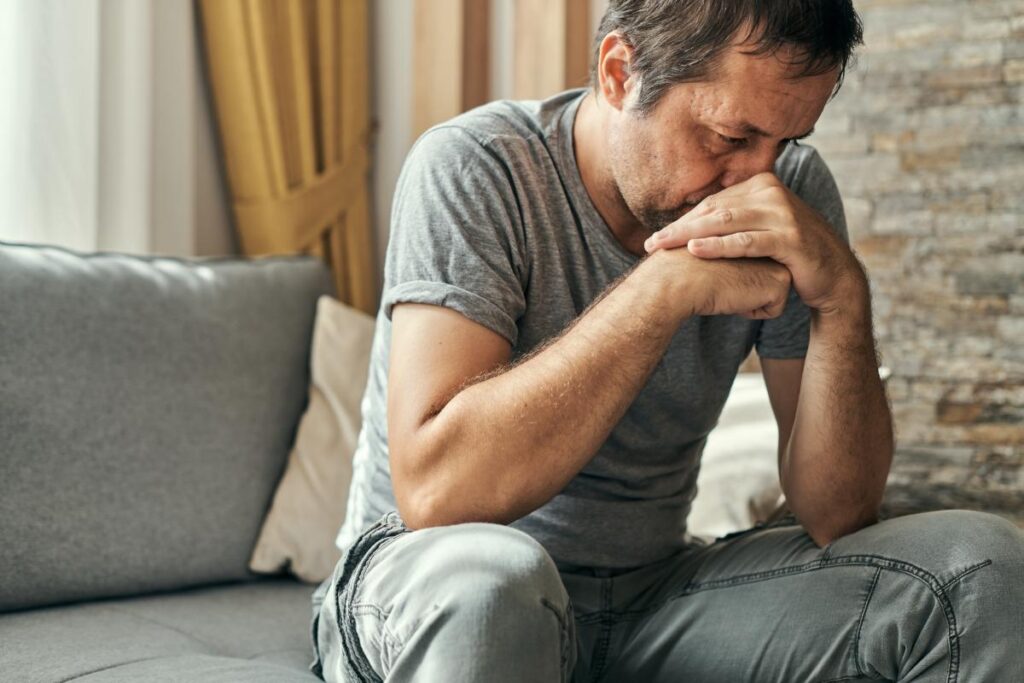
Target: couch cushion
[148,406]
[252,631]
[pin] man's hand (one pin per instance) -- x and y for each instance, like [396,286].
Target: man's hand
[754,288]
[761,217]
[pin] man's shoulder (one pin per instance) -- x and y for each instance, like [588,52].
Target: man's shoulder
[501,125]
[796,162]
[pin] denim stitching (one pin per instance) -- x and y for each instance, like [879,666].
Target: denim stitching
[965,572]
[563,621]
[879,561]
[387,637]
[860,621]
[369,608]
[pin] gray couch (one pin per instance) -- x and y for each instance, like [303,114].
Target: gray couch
[147,407]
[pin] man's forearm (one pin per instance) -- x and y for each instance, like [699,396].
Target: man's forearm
[840,451]
[509,442]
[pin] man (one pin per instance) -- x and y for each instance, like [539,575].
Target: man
[570,288]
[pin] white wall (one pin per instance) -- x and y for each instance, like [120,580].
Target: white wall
[106,129]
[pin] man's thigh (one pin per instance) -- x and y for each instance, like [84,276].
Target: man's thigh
[883,603]
[471,601]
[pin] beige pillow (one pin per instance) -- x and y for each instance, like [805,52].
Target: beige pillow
[309,504]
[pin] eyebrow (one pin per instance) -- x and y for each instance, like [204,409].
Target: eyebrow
[751,129]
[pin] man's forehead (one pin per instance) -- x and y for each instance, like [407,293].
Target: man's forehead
[748,128]
[756,95]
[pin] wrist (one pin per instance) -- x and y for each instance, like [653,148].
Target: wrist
[668,272]
[851,295]
[849,314]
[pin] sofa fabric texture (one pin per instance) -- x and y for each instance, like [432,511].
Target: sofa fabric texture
[256,631]
[148,407]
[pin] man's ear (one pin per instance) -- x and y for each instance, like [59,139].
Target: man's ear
[614,76]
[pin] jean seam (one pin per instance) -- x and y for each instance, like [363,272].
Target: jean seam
[969,570]
[860,621]
[370,608]
[607,621]
[389,639]
[563,626]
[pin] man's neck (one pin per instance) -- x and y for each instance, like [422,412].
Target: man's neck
[591,158]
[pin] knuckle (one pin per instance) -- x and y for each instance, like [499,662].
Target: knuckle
[725,216]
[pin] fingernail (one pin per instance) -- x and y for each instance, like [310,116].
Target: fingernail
[697,243]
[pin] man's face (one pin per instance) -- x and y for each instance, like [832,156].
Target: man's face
[693,143]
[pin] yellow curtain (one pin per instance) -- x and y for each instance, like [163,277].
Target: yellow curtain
[291,88]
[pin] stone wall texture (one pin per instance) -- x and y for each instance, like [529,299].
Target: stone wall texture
[926,140]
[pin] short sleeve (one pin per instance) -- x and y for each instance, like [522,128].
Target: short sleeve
[809,177]
[456,238]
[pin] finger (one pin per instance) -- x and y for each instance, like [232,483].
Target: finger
[746,188]
[754,244]
[770,310]
[736,218]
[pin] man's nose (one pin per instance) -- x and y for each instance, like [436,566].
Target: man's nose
[748,164]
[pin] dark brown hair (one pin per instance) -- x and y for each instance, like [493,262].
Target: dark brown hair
[678,41]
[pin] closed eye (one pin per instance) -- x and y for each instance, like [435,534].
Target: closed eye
[735,142]
[739,142]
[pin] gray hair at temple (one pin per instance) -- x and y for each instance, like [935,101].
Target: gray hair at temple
[678,41]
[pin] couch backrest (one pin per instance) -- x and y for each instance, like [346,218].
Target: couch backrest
[147,406]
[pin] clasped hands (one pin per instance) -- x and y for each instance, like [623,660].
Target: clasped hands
[761,218]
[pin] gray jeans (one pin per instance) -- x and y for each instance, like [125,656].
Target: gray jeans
[931,597]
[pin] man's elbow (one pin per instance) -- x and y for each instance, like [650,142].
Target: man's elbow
[826,531]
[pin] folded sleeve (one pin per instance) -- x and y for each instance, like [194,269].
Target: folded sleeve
[456,237]
[788,335]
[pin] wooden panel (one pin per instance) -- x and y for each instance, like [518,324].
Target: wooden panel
[551,46]
[476,60]
[450,59]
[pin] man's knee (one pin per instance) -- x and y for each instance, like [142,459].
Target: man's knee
[470,566]
[942,543]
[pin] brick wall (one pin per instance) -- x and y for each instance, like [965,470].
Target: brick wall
[926,140]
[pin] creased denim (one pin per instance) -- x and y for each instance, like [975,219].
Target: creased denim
[925,598]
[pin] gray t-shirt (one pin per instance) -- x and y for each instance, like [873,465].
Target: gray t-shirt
[491,219]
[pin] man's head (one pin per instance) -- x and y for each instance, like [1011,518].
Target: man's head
[698,95]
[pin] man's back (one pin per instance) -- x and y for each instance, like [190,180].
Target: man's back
[491,219]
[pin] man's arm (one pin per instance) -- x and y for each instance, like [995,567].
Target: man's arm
[782,378]
[504,445]
[822,438]
[840,451]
